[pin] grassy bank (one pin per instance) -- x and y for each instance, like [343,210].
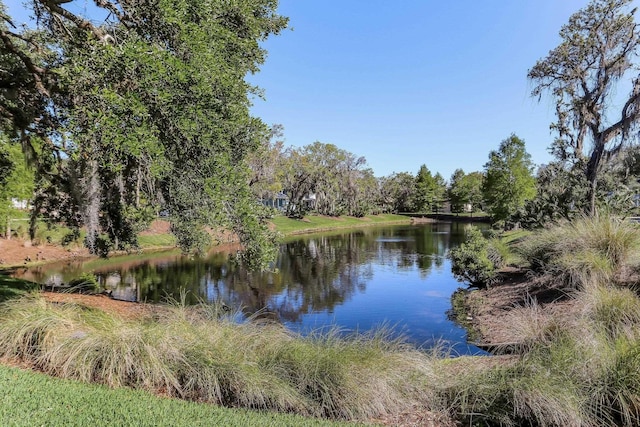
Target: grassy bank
[195,353]
[582,370]
[11,287]
[30,398]
[577,354]
[315,223]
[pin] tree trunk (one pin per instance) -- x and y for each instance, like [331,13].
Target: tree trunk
[33,218]
[592,174]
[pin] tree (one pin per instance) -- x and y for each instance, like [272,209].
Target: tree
[335,175]
[457,192]
[465,190]
[16,182]
[560,194]
[439,193]
[297,181]
[328,177]
[367,195]
[473,182]
[131,120]
[429,190]
[509,180]
[423,196]
[266,164]
[583,74]
[397,192]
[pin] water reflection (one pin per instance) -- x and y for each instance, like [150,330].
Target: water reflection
[357,280]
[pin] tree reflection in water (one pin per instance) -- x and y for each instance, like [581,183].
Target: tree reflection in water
[313,274]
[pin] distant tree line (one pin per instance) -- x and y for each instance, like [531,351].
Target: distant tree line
[328,180]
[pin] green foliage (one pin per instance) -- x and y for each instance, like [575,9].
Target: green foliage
[509,181]
[465,189]
[16,181]
[560,195]
[338,179]
[429,191]
[139,124]
[86,283]
[471,262]
[397,192]
[267,164]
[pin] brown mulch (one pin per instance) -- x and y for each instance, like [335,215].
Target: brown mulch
[125,309]
[17,252]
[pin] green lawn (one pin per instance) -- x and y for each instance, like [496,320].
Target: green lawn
[156,241]
[313,223]
[34,399]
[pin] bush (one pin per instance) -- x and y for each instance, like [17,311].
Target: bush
[471,260]
[86,283]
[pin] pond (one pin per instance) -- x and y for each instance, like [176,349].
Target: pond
[358,280]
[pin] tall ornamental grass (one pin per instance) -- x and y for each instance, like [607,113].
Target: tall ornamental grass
[195,354]
[582,372]
[588,250]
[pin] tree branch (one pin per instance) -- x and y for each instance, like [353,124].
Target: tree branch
[36,72]
[54,8]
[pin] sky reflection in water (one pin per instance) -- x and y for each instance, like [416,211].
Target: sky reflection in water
[360,280]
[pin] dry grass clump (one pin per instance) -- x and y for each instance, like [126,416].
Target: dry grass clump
[578,370]
[198,355]
[584,251]
[529,324]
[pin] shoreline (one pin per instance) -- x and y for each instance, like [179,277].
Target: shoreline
[18,253]
[490,315]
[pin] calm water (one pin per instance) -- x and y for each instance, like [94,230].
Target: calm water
[358,280]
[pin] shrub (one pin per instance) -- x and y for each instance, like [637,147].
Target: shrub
[470,261]
[86,283]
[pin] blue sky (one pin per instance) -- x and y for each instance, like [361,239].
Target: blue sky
[407,82]
[414,81]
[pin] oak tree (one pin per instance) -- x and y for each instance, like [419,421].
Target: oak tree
[147,108]
[584,74]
